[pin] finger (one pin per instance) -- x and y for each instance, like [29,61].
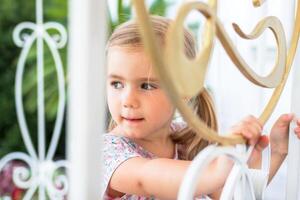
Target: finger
[254,122]
[254,130]
[251,134]
[262,143]
[285,119]
[298,122]
[252,127]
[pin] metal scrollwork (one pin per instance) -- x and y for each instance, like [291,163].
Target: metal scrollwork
[175,69]
[41,175]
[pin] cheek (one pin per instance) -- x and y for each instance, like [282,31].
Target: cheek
[163,106]
[167,102]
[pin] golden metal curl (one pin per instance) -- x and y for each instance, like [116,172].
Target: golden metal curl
[258,3]
[175,68]
[178,66]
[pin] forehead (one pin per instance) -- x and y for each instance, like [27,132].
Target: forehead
[128,62]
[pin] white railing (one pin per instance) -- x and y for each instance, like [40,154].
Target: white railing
[41,175]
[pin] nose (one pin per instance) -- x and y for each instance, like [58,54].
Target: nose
[130,98]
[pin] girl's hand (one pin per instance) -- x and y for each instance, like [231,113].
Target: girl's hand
[278,138]
[251,129]
[280,134]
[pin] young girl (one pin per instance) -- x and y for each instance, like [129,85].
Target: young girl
[145,153]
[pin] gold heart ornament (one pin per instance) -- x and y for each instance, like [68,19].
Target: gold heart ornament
[184,78]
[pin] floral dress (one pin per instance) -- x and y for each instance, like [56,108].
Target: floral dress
[118,149]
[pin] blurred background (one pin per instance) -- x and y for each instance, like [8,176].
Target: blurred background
[235,97]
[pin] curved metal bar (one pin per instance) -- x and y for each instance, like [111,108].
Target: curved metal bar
[151,47]
[60,40]
[178,66]
[188,186]
[59,181]
[61,91]
[274,78]
[290,58]
[17,37]
[231,183]
[40,91]
[30,192]
[18,96]
[258,3]
[21,176]
[277,78]
[36,178]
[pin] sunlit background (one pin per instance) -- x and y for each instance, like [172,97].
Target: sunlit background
[235,97]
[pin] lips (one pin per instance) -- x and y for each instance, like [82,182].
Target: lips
[133,119]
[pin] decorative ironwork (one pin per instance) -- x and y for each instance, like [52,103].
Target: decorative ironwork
[175,68]
[39,176]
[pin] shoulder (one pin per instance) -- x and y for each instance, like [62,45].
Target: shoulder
[115,151]
[118,147]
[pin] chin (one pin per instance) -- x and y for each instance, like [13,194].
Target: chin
[133,135]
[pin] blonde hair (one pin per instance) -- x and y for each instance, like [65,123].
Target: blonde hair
[127,35]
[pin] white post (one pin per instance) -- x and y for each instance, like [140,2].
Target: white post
[293,173]
[86,105]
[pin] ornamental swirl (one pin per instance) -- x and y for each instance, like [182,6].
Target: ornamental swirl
[175,68]
[40,175]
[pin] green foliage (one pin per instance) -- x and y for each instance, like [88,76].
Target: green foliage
[159,7]
[124,12]
[11,14]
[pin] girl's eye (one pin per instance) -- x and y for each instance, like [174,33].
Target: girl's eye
[147,86]
[116,84]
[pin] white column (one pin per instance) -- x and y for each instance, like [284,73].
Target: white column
[294,143]
[86,105]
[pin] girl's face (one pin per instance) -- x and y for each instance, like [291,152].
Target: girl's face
[135,98]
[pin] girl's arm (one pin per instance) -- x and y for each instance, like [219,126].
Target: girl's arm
[162,177]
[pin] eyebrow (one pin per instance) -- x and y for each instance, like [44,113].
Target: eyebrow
[114,76]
